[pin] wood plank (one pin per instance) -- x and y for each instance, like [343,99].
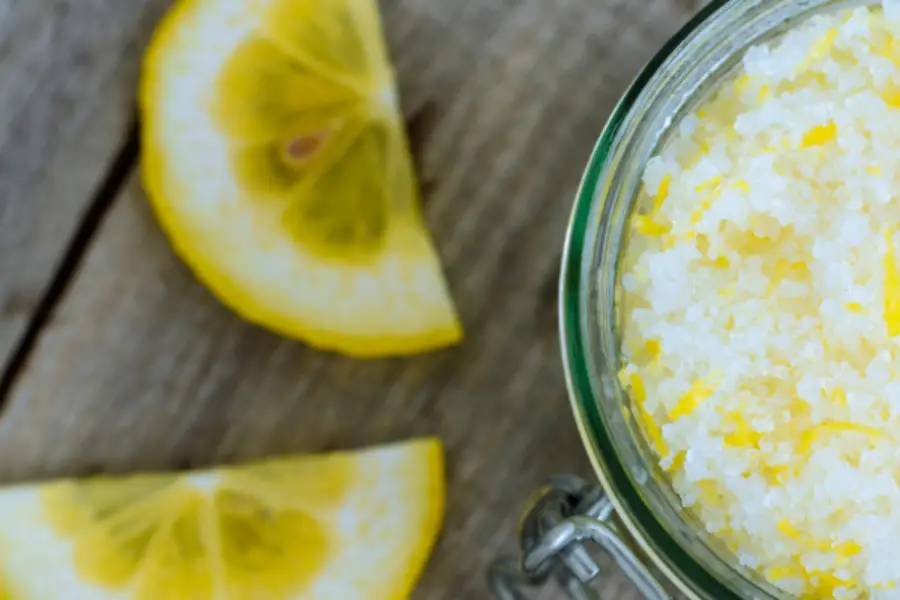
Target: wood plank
[67,79]
[140,368]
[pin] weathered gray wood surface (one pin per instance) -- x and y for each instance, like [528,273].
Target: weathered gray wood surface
[68,70]
[139,367]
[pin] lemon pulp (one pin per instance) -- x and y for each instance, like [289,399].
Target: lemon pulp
[315,128]
[162,536]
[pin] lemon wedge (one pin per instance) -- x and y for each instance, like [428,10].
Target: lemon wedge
[352,526]
[275,157]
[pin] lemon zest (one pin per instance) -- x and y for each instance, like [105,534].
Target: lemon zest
[819,135]
[690,402]
[891,286]
[782,269]
[818,584]
[839,396]
[773,473]
[847,549]
[710,183]
[708,493]
[742,185]
[639,395]
[842,549]
[891,97]
[669,242]
[705,205]
[811,435]
[646,225]
[743,435]
[653,348]
[889,50]
[784,572]
[677,462]
[855,307]
[649,224]
[875,169]
[662,193]
[824,585]
[741,84]
[822,46]
[729,324]
[785,527]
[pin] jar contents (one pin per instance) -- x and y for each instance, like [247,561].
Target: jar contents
[761,290]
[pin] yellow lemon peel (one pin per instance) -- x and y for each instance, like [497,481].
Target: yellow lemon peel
[890,50]
[690,402]
[891,97]
[819,135]
[654,349]
[839,396]
[743,185]
[742,435]
[662,193]
[645,225]
[821,47]
[817,584]
[649,224]
[782,572]
[677,462]
[843,550]
[891,312]
[828,428]
[773,473]
[855,307]
[639,395]
[710,183]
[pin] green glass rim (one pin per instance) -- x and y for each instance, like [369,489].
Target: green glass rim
[574,306]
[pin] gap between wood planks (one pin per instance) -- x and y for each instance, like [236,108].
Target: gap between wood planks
[112,183]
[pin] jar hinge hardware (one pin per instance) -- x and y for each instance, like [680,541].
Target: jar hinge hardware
[564,515]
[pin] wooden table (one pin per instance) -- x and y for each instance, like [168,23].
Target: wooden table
[114,359]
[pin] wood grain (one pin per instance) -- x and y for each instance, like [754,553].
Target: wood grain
[67,78]
[140,368]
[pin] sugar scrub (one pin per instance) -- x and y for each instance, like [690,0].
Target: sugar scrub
[761,293]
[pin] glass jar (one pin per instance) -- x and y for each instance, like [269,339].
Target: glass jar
[640,506]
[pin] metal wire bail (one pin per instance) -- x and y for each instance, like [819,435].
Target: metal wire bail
[562,515]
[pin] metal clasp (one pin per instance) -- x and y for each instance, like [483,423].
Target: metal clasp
[565,513]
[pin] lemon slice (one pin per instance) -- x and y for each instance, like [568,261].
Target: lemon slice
[349,526]
[275,157]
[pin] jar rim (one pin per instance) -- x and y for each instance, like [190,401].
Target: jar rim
[723,27]
[637,516]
